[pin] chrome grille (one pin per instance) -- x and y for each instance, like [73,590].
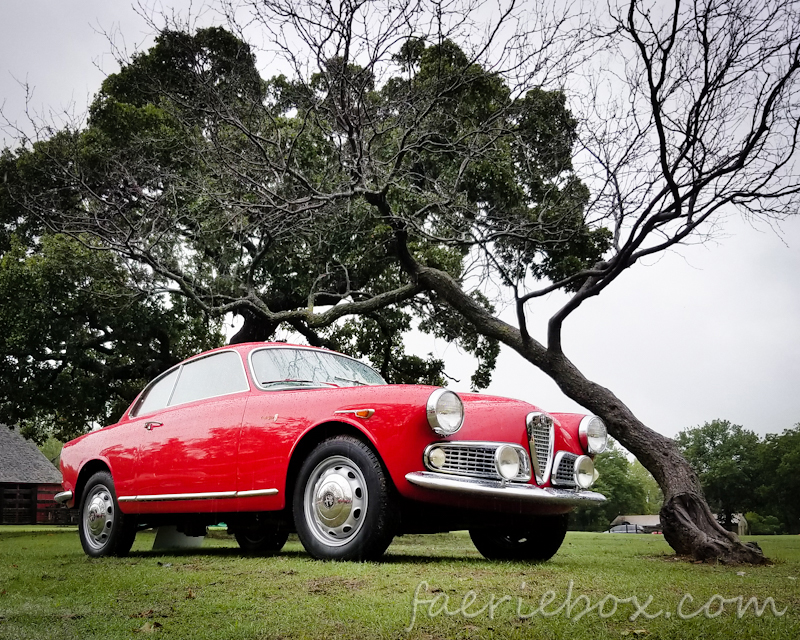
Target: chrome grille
[476,459]
[540,436]
[564,475]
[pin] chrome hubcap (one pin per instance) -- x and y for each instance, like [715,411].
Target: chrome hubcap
[335,501]
[98,516]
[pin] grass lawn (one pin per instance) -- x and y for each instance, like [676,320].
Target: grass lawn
[600,586]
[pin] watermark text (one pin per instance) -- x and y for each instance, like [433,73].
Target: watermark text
[434,603]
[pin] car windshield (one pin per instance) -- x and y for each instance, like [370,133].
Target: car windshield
[281,368]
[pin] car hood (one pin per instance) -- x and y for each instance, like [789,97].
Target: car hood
[494,418]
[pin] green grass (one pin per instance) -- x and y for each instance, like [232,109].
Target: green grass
[49,589]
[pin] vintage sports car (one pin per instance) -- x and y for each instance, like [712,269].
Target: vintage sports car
[272,438]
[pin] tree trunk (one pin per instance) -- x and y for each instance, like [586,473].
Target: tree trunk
[254,328]
[688,524]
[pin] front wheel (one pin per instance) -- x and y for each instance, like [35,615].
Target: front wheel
[537,540]
[344,504]
[103,529]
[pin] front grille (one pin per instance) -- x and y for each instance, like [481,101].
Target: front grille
[564,475]
[540,436]
[476,459]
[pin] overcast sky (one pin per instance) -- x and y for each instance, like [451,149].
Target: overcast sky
[708,332]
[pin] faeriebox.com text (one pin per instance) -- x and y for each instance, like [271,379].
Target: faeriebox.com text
[432,603]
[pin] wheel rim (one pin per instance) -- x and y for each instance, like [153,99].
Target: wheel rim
[335,501]
[98,516]
[515,540]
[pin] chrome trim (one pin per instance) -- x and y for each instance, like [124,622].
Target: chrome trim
[490,489]
[254,493]
[211,495]
[583,435]
[433,418]
[524,474]
[63,496]
[303,348]
[542,475]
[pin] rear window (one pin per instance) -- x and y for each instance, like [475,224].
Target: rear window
[216,375]
[157,395]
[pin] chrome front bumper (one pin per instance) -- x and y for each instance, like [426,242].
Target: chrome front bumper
[508,491]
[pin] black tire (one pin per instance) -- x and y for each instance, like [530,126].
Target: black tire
[344,504]
[536,541]
[262,540]
[103,529]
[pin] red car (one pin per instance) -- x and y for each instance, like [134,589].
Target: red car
[272,438]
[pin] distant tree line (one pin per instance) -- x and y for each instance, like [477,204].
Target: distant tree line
[740,473]
[743,473]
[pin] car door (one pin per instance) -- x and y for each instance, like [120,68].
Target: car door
[188,449]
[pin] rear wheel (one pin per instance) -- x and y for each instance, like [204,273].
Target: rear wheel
[103,529]
[265,539]
[344,503]
[535,541]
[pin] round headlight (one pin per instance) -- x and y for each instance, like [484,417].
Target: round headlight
[593,434]
[506,459]
[437,458]
[445,412]
[584,472]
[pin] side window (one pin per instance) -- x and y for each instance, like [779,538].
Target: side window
[214,375]
[157,395]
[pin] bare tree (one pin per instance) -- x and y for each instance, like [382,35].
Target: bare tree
[410,146]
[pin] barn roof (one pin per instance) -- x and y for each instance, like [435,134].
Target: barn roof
[22,462]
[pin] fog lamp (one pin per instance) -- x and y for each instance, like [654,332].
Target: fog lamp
[584,472]
[506,459]
[437,458]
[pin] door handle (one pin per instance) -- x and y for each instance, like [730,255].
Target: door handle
[150,425]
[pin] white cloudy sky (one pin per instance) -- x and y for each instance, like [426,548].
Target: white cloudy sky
[708,332]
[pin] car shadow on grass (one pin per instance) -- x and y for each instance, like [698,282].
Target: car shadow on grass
[233,552]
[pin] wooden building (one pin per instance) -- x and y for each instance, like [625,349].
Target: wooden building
[28,482]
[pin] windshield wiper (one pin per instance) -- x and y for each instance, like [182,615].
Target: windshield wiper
[296,381]
[356,382]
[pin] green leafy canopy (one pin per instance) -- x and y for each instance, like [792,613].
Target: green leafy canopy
[274,198]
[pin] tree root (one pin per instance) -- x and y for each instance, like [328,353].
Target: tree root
[691,530]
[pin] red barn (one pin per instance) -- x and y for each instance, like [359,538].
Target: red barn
[28,482]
